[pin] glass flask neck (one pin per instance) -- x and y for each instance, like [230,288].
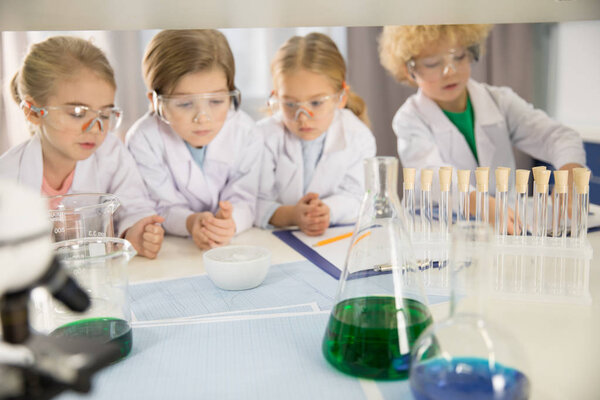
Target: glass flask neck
[381,175]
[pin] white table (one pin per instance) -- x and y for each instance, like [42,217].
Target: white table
[562,341]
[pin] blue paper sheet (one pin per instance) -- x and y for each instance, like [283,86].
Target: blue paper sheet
[285,285]
[273,358]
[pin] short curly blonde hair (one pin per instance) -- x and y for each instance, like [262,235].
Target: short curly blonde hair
[398,44]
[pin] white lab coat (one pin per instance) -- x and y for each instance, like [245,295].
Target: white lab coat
[338,177]
[180,187]
[428,139]
[110,169]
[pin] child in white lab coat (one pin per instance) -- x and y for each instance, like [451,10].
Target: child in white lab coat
[454,120]
[312,171]
[195,150]
[66,89]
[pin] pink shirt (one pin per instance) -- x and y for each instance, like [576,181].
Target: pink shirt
[47,190]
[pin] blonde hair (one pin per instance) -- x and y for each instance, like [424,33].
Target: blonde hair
[317,53]
[55,59]
[171,54]
[398,44]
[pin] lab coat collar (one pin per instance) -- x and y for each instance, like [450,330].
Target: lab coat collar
[448,136]
[220,148]
[336,136]
[85,180]
[335,143]
[484,107]
[32,164]
[486,115]
[181,161]
[87,175]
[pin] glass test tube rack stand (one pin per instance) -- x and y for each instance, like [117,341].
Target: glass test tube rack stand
[524,268]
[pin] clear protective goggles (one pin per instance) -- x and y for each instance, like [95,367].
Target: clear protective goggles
[433,68]
[313,109]
[78,118]
[193,107]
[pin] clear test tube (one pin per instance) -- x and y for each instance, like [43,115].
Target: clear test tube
[426,208]
[521,189]
[482,202]
[540,204]
[408,198]
[501,218]
[520,228]
[560,202]
[426,203]
[464,182]
[581,203]
[445,205]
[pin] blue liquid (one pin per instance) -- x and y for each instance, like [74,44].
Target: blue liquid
[467,379]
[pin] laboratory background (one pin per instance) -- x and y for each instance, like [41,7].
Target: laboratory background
[407,302]
[551,65]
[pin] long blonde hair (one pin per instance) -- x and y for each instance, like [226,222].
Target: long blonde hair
[317,53]
[171,54]
[55,59]
[398,44]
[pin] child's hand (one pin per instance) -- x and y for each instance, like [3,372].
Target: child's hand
[194,224]
[311,215]
[220,228]
[146,236]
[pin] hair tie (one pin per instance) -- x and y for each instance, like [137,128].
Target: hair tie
[345,86]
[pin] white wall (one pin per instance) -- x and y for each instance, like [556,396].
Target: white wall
[576,81]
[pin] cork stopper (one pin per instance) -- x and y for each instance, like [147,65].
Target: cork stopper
[445,178]
[464,179]
[426,178]
[536,172]
[522,178]
[482,179]
[408,175]
[582,180]
[541,183]
[502,179]
[561,181]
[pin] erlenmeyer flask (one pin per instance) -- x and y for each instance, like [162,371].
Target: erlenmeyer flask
[380,306]
[466,356]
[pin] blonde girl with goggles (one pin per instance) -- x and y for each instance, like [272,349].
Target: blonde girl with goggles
[315,140]
[66,90]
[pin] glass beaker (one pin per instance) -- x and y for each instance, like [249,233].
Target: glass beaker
[82,215]
[380,307]
[466,356]
[99,265]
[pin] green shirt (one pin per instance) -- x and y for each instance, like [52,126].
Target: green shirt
[465,124]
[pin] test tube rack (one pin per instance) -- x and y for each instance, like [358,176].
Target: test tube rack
[549,270]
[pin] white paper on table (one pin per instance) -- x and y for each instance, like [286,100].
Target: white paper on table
[335,252]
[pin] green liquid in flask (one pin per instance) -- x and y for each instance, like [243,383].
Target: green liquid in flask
[104,330]
[362,336]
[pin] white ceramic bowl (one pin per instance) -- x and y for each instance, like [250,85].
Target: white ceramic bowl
[237,267]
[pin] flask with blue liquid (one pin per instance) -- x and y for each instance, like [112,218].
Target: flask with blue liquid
[467,356]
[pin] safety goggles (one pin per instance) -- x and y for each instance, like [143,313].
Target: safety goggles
[313,109]
[78,118]
[435,67]
[192,107]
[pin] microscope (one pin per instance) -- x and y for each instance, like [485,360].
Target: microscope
[32,365]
